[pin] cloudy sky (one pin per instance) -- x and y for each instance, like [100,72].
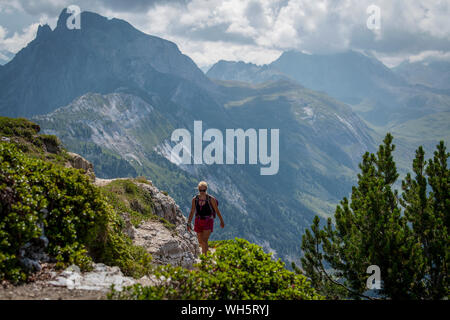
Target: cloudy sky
[257,31]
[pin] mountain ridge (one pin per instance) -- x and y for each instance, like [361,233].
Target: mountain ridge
[384,98]
[380,95]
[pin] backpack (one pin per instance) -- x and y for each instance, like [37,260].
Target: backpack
[208,200]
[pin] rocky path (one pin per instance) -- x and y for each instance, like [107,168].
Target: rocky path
[41,289]
[72,284]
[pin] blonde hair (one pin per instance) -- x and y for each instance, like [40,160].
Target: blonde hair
[202,184]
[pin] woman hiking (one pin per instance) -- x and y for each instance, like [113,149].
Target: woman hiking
[204,206]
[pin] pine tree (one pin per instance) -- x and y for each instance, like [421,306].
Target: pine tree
[410,248]
[327,284]
[429,216]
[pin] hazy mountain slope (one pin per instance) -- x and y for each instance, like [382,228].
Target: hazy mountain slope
[241,71]
[388,100]
[348,76]
[434,74]
[321,140]
[378,94]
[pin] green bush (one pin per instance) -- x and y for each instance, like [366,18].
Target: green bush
[142,179]
[25,135]
[18,127]
[51,142]
[125,196]
[78,222]
[216,243]
[236,270]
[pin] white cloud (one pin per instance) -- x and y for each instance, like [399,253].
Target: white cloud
[430,55]
[209,30]
[207,53]
[18,40]
[7,6]
[323,26]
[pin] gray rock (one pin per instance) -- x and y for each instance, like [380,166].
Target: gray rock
[32,254]
[29,264]
[78,162]
[129,229]
[43,241]
[100,278]
[51,147]
[178,246]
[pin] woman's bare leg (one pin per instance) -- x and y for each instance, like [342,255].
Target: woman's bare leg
[205,237]
[200,240]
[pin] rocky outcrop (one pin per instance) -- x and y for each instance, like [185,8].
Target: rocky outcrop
[168,245]
[100,278]
[177,246]
[78,162]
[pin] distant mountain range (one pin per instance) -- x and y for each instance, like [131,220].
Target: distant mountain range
[434,74]
[245,72]
[114,95]
[412,101]
[380,95]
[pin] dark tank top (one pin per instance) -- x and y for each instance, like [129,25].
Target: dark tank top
[203,210]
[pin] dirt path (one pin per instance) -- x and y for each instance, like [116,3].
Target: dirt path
[40,289]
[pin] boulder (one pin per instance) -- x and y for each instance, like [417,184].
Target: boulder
[100,278]
[78,162]
[174,247]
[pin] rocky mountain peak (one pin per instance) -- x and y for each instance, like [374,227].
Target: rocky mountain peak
[63,16]
[43,31]
[102,56]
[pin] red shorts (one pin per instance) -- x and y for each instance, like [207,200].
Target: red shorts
[203,224]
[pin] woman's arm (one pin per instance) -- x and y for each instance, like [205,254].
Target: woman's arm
[191,214]
[216,209]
